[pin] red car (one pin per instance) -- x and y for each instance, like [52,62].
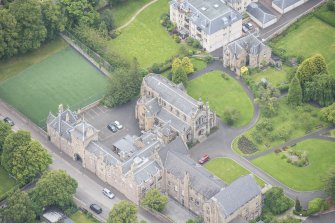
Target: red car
[204,159]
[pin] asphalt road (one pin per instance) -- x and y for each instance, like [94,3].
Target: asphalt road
[324,218]
[89,186]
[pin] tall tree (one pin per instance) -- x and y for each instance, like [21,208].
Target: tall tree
[55,187]
[176,63]
[297,206]
[180,76]
[187,64]
[79,11]
[54,18]
[12,143]
[30,27]
[330,184]
[19,208]
[276,202]
[155,200]
[295,92]
[123,212]
[328,113]
[5,130]
[8,34]
[29,161]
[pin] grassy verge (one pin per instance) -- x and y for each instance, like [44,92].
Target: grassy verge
[80,217]
[125,10]
[293,120]
[146,39]
[274,76]
[321,156]
[228,170]
[6,181]
[64,77]
[222,93]
[15,65]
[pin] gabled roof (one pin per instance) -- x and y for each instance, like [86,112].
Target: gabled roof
[96,148]
[261,13]
[175,122]
[249,43]
[283,4]
[237,194]
[81,129]
[171,93]
[63,122]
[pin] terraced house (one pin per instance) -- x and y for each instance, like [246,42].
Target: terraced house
[213,22]
[158,158]
[162,101]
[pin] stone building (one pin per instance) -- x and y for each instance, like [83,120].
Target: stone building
[246,51]
[212,22]
[239,5]
[162,101]
[283,6]
[157,159]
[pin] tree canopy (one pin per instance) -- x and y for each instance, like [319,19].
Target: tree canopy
[330,184]
[19,208]
[8,34]
[123,212]
[328,113]
[55,187]
[295,92]
[5,130]
[155,200]
[276,202]
[180,76]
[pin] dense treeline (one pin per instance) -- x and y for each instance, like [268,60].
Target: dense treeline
[26,24]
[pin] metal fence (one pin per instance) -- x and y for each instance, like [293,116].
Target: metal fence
[93,57]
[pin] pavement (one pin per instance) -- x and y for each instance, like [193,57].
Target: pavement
[89,185]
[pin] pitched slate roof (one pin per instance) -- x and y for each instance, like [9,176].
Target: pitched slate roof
[81,129]
[171,93]
[261,13]
[210,15]
[96,148]
[63,122]
[175,122]
[283,4]
[250,43]
[145,172]
[237,194]
[176,161]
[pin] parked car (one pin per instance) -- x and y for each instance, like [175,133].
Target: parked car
[112,127]
[108,193]
[96,208]
[9,121]
[118,125]
[245,29]
[204,159]
[249,24]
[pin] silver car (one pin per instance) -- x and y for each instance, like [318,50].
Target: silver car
[108,193]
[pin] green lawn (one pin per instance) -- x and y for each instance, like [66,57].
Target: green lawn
[222,94]
[198,64]
[274,76]
[80,217]
[17,64]
[64,77]
[290,119]
[146,39]
[125,10]
[312,36]
[321,156]
[228,170]
[6,182]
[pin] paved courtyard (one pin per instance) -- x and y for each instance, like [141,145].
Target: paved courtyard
[101,116]
[177,212]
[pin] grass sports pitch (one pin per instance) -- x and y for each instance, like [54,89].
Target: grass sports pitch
[64,77]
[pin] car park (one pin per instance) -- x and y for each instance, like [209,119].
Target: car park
[108,193]
[245,29]
[9,121]
[112,127]
[204,159]
[118,125]
[96,208]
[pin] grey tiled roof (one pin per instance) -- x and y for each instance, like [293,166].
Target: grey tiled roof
[237,194]
[171,93]
[175,122]
[80,130]
[283,4]
[152,106]
[249,43]
[261,13]
[176,161]
[146,172]
[211,15]
[61,124]
[126,145]
[98,149]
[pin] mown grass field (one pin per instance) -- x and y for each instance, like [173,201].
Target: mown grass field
[222,94]
[321,156]
[80,217]
[124,11]
[146,39]
[288,118]
[310,37]
[15,65]
[228,170]
[64,77]
[6,183]
[274,76]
